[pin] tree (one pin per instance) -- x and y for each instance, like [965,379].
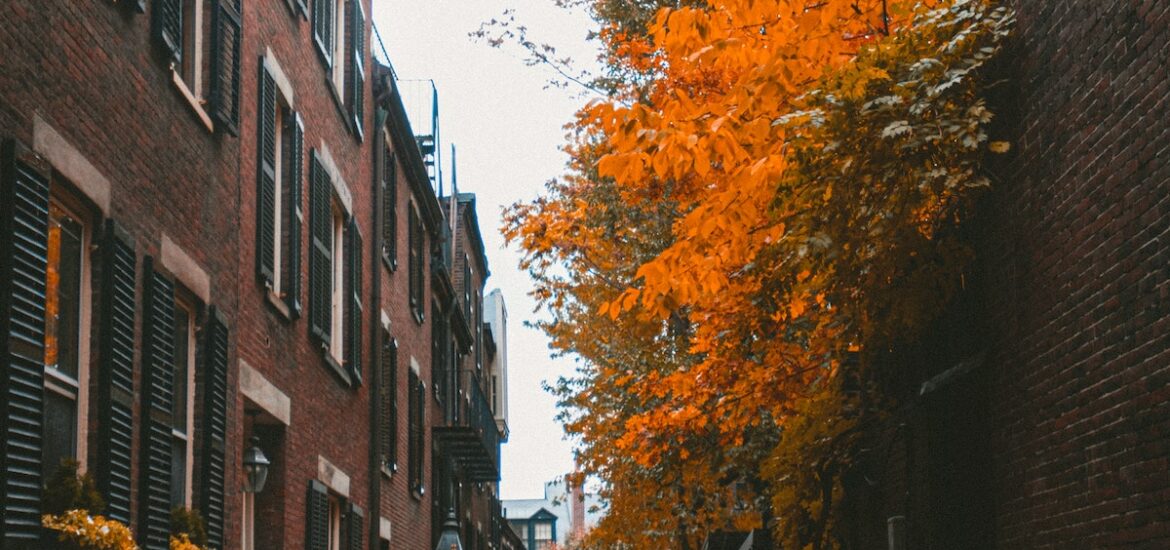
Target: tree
[782,190]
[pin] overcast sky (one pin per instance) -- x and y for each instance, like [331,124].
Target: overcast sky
[507,128]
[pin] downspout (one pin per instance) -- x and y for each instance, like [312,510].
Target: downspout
[375,505]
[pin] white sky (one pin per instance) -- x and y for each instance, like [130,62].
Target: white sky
[507,129]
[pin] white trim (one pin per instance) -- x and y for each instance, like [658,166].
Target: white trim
[417,370]
[193,101]
[332,477]
[186,270]
[339,186]
[278,76]
[384,528]
[264,394]
[189,421]
[66,159]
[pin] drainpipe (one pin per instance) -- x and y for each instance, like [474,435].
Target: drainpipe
[375,263]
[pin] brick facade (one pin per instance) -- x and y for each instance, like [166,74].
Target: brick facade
[88,97]
[1045,420]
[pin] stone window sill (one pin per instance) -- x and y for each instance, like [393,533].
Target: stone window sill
[194,102]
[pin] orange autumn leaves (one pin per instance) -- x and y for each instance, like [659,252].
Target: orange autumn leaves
[730,71]
[780,192]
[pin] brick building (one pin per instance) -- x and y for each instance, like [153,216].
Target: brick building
[219,233]
[1038,408]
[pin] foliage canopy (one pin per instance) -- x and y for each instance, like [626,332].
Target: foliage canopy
[766,189]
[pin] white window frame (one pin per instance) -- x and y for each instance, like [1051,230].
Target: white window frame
[188,308]
[337,294]
[278,203]
[191,69]
[60,383]
[337,49]
[335,514]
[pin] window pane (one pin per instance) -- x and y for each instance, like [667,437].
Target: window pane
[63,292]
[181,369]
[60,431]
[178,472]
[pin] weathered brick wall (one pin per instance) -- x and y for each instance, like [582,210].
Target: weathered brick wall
[409,515]
[91,71]
[328,418]
[1076,260]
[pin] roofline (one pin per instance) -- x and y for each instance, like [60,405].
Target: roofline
[388,98]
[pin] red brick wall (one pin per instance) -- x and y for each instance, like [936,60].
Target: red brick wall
[410,516]
[329,418]
[91,71]
[1076,256]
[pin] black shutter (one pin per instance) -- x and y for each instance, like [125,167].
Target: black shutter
[225,64]
[266,179]
[212,471]
[389,397]
[293,215]
[389,208]
[320,252]
[317,517]
[24,226]
[357,80]
[420,436]
[323,28]
[353,303]
[415,260]
[353,527]
[116,379]
[158,360]
[302,8]
[167,23]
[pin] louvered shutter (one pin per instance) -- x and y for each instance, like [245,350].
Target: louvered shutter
[158,360]
[167,23]
[320,252]
[266,179]
[293,215]
[212,472]
[415,260]
[389,208]
[323,28]
[356,69]
[353,527]
[24,225]
[353,304]
[225,64]
[389,397]
[317,517]
[116,379]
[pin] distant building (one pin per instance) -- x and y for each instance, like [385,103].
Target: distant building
[563,516]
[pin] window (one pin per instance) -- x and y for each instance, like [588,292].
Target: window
[477,319]
[335,274]
[416,432]
[389,207]
[183,411]
[279,176]
[339,33]
[440,350]
[66,344]
[337,306]
[190,35]
[417,258]
[334,522]
[388,390]
[467,274]
[543,534]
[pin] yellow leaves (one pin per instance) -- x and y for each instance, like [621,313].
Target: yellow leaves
[90,532]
